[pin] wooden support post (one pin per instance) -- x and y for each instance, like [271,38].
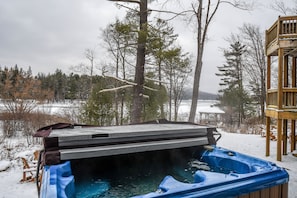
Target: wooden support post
[286,69]
[268,81]
[280,102]
[293,122]
[268,119]
[268,136]
[285,136]
[280,78]
[294,72]
[286,103]
[293,140]
[286,80]
[279,140]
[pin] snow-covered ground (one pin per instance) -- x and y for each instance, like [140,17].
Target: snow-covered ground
[12,149]
[53,108]
[10,186]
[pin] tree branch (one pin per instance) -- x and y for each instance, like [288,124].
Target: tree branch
[115,88]
[240,5]
[176,14]
[120,5]
[127,1]
[131,84]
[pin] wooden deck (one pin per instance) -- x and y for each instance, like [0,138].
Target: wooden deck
[281,103]
[282,34]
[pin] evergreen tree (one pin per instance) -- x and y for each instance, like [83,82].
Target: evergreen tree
[234,98]
[153,99]
[161,38]
[177,69]
[99,108]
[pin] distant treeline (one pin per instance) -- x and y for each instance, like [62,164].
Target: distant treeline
[59,86]
[107,99]
[53,87]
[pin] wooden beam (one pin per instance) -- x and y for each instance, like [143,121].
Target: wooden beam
[291,52]
[274,113]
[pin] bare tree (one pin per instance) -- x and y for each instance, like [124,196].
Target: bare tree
[255,64]
[286,7]
[89,53]
[204,14]
[84,68]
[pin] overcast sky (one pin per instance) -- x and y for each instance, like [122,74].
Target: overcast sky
[51,34]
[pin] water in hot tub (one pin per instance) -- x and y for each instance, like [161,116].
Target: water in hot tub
[133,174]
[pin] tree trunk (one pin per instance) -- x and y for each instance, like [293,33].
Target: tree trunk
[198,67]
[196,88]
[136,114]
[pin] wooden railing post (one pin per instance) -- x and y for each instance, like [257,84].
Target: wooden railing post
[280,78]
[268,80]
[278,29]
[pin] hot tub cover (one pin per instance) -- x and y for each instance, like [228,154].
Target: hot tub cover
[72,141]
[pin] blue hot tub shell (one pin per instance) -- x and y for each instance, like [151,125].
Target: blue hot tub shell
[229,174]
[58,181]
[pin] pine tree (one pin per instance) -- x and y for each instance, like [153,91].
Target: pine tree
[234,98]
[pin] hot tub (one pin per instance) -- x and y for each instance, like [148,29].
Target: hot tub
[169,160]
[229,174]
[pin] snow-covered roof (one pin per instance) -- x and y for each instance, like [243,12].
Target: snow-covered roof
[210,109]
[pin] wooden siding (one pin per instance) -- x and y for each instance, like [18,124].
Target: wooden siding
[279,191]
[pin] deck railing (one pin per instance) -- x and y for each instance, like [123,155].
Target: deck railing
[271,99]
[289,99]
[284,28]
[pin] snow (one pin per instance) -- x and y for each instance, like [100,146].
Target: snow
[204,106]
[11,187]
[4,165]
[210,109]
